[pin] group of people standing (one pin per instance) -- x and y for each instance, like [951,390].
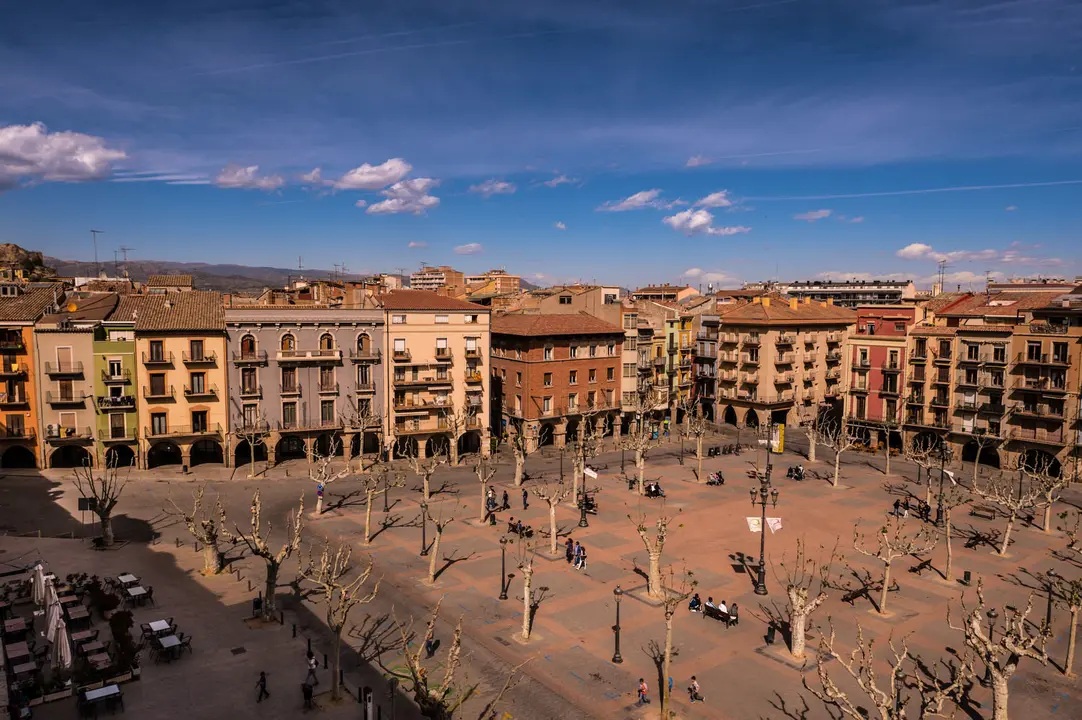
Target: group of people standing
[694,693]
[575,553]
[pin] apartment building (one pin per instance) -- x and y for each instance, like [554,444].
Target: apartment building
[846,293]
[779,359]
[674,324]
[500,282]
[996,376]
[876,352]
[183,387]
[21,305]
[437,350]
[304,379]
[116,373]
[67,402]
[706,363]
[434,278]
[548,369]
[665,293]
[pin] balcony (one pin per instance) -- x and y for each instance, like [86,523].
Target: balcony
[785,359]
[914,399]
[116,402]
[995,359]
[250,358]
[331,355]
[728,338]
[970,359]
[980,431]
[1044,385]
[660,361]
[443,355]
[122,378]
[207,391]
[1037,411]
[18,433]
[552,411]
[1043,359]
[783,379]
[290,390]
[474,377]
[861,363]
[940,401]
[118,435]
[832,392]
[409,405]
[966,405]
[474,401]
[251,392]
[727,357]
[158,359]
[207,359]
[834,374]
[727,376]
[750,378]
[164,393]
[1037,435]
[366,388]
[69,435]
[61,369]
[11,399]
[918,354]
[941,358]
[401,356]
[966,381]
[859,390]
[250,427]
[410,428]
[12,343]
[916,379]
[13,369]
[685,364]
[786,339]
[444,380]
[214,430]
[747,359]
[328,388]
[750,340]
[367,355]
[990,408]
[834,338]
[891,367]
[941,379]
[76,397]
[304,424]
[472,353]
[834,356]
[889,390]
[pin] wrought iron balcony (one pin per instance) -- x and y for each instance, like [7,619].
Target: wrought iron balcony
[250,358]
[123,377]
[67,368]
[158,359]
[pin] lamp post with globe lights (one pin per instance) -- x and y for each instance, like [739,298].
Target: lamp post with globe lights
[763,496]
[616,657]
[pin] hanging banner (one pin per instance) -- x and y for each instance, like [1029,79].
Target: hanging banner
[774,524]
[590,473]
[755,524]
[777,439]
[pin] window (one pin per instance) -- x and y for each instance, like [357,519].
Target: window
[608,397]
[572,401]
[995,378]
[518,353]
[573,351]
[442,319]
[546,405]
[326,412]
[471,344]
[631,343]
[1059,352]
[593,351]
[971,376]
[629,370]
[890,411]
[364,375]
[67,423]
[198,383]
[157,350]
[629,398]
[195,348]
[864,357]
[247,346]
[565,299]
[573,377]
[999,353]
[250,415]
[861,409]
[66,389]
[400,346]
[973,351]
[289,414]
[899,327]
[518,379]
[158,425]
[631,322]
[116,368]
[326,341]
[116,426]
[548,379]
[116,392]
[503,373]
[289,343]
[469,319]
[199,420]
[593,375]
[289,379]
[591,398]
[612,349]
[893,362]
[157,384]
[398,319]
[610,373]
[326,378]
[548,352]
[518,403]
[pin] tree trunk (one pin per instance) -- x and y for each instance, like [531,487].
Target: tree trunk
[887,456]
[1007,535]
[426,486]
[520,469]
[837,468]
[654,588]
[319,504]
[552,528]
[106,529]
[484,501]
[1070,642]
[798,622]
[336,666]
[212,558]
[665,667]
[527,600]
[886,588]
[433,555]
[947,538]
[1048,516]
[640,467]
[251,453]
[699,459]
[811,444]
[270,589]
[577,466]
[368,518]
[976,465]
[999,696]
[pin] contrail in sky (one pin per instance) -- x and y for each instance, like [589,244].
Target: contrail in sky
[923,191]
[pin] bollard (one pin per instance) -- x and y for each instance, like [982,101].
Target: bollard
[309,644]
[770,633]
[966,577]
[281,617]
[379,712]
[249,586]
[177,541]
[324,661]
[294,629]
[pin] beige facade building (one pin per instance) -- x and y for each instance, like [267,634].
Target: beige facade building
[497,281]
[434,278]
[437,356]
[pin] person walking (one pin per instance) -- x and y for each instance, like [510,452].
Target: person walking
[506,501]
[312,665]
[262,685]
[569,550]
[575,554]
[642,692]
[306,692]
[580,560]
[525,499]
[693,691]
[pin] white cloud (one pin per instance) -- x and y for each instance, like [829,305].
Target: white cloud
[708,276]
[313,178]
[813,215]
[247,178]
[638,201]
[1011,208]
[407,196]
[718,199]
[698,161]
[417,244]
[559,225]
[493,187]
[857,219]
[469,249]
[559,180]
[31,153]
[1015,254]
[692,222]
[371,177]
[361,203]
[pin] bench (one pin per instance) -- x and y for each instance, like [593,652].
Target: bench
[729,618]
[983,512]
[713,451]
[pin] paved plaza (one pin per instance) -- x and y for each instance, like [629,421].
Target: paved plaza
[570,673]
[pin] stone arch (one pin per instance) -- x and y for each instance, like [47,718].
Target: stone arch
[205,451]
[779,417]
[242,455]
[729,416]
[437,445]
[751,418]
[571,429]
[248,345]
[862,433]
[927,439]
[1040,461]
[18,456]
[609,428]
[119,456]
[288,342]
[546,435]
[290,447]
[326,341]
[405,447]
[328,444]
[70,456]
[470,442]
[987,456]
[164,453]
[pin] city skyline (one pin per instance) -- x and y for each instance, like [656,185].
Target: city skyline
[756,140]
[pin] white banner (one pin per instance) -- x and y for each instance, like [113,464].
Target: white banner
[590,473]
[774,524]
[755,524]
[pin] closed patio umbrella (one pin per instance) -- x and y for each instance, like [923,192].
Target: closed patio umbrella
[62,647]
[53,618]
[38,583]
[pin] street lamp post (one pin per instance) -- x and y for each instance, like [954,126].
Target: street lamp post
[765,495]
[386,486]
[424,529]
[562,459]
[992,615]
[583,522]
[1048,613]
[503,567]
[616,657]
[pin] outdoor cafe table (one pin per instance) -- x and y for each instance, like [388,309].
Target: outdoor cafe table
[160,626]
[68,600]
[128,579]
[170,643]
[14,625]
[92,647]
[24,668]
[17,650]
[83,635]
[100,661]
[78,613]
[102,693]
[137,592]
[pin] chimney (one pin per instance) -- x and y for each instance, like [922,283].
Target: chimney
[766,302]
[757,300]
[807,300]
[793,302]
[830,301]
[168,302]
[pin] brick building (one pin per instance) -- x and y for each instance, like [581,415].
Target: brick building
[548,369]
[876,349]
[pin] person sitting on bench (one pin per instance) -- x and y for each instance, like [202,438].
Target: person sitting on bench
[710,603]
[723,608]
[696,603]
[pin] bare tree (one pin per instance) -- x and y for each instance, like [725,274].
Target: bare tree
[1050,479]
[698,427]
[321,472]
[361,415]
[458,424]
[953,496]
[806,581]
[440,524]
[441,699]
[836,436]
[677,594]
[640,438]
[812,422]
[207,526]
[103,489]
[339,596]
[586,445]
[553,494]
[893,540]
[484,468]
[1000,491]
[373,483]
[531,600]
[522,446]
[892,425]
[254,432]
[655,545]
[256,540]
[1072,527]
[1068,593]
[983,441]
[425,468]
[924,451]
[1001,653]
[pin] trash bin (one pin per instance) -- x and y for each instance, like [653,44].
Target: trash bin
[257,606]
[771,632]
[966,578]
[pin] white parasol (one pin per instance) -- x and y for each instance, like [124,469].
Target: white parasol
[62,647]
[53,620]
[38,583]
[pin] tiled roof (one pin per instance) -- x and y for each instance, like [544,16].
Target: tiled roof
[944,300]
[932,330]
[169,281]
[424,300]
[654,289]
[113,286]
[97,306]
[553,324]
[778,311]
[31,302]
[180,311]
[127,308]
[1006,304]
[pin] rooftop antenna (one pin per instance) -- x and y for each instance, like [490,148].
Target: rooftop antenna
[987,283]
[300,263]
[116,265]
[942,264]
[97,267]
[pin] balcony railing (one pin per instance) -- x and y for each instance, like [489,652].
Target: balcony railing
[783,379]
[834,338]
[409,404]
[328,388]
[183,430]
[727,376]
[205,391]
[994,358]
[258,357]
[1041,385]
[310,355]
[914,399]
[158,359]
[891,367]
[475,377]
[317,423]
[786,339]
[990,408]
[785,359]
[941,379]
[727,357]
[659,361]
[443,355]
[251,391]
[76,397]
[750,340]
[166,393]
[402,355]
[834,374]
[366,387]
[939,401]
[1039,410]
[747,359]
[1046,329]
[969,359]
[118,402]
[834,356]
[918,354]
[250,427]
[18,433]
[124,376]
[1038,435]
[889,390]
[365,355]
[1043,359]
[859,389]
[966,405]
[916,379]
[861,363]
[60,434]
[728,338]
[67,368]
[472,353]
[290,389]
[10,369]
[941,358]
[203,359]
[965,380]
[15,398]
[750,378]
[12,343]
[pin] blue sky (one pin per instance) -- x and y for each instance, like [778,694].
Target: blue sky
[618,141]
